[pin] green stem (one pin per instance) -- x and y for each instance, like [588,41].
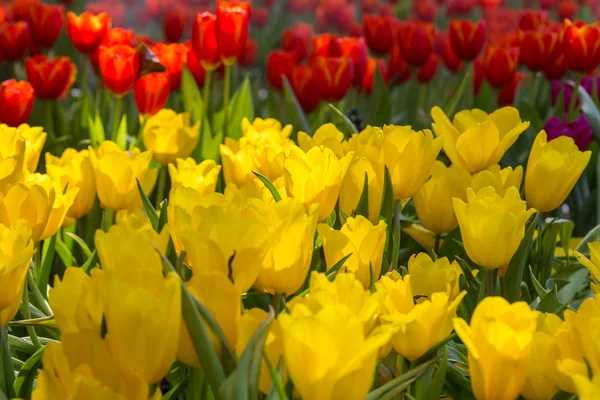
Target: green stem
[436,244]
[7,374]
[84,73]
[116,118]
[226,85]
[48,118]
[396,235]
[206,96]
[571,113]
[491,282]
[37,259]
[38,298]
[534,88]
[27,315]
[277,302]
[107,219]
[470,88]
[162,182]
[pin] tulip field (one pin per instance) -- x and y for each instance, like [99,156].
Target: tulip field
[299,199]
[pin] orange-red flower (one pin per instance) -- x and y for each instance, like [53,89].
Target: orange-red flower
[45,23]
[356,49]
[120,67]
[232,29]
[195,67]
[173,24]
[16,102]
[14,40]
[567,9]
[444,49]
[113,37]
[260,16]
[416,42]
[466,38]
[51,78]
[539,48]
[398,69]
[326,45]
[369,75]
[87,30]
[580,46]
[378,33]
[204,40]
[279,63]
[249,57]
[297,39]
[18,10]
[172,56]
[424,10]
[333,76]
[532,20]
[506,97]
[557,69]
[305,87]
[151,92]
[426,73]
[499,64]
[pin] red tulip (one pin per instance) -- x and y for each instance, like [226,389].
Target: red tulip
[460,8]
[398,69]
[279,63]
[424,10]
[466,38]
[333,76]
[426,73]
[499,64]
[356,49]
[16,102]
[369,6]
[14,40]
[232,29]
[356,30]
[506,97]
[2,16]
[120,67]
[326,45]
[249,56]
[369,76]
[113,37]
[260,16]
[151,92]
[87,30]
[345,17]
[557,69]
[416,42]
[580,46]
[378,33]
[45,23]
[305,87]
[539,49]
[444,49]
[300,6]
[174,23]
[567,9]
[51,78]
[195,67]
[172,56]
[532,20]
[297,39]
[204,41]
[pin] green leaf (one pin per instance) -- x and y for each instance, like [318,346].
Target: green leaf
[516,267]
[482,289]
[294,111]
[81,243]
[121,137]
[333,271]
[362,208]
[349,124]
[23,385]
[64,253]
[96,129]
[589,109]
[468,274]
[387,199]
[277,388]
[592,236]
[371,279]
[7,373]
[90,263]
[46,267]
[163,217]
[192,99]
[148,207]
[537,286]
[269,185]
[550,302]
[439,378]
[380,110]
[239,107]
[214,326]
[331,218]
[549,235]
[177,389]
[455,100]
[576,281]
[565,234]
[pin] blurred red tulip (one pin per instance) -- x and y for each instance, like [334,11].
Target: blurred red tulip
[113,37]
[14,40]
[300,6]
[249,56]
[333,76]
[547,4]
[369,76]
[260,17]
[369,6]
[466,38]
[356,49]
[567,9]
[174,23]
[51,78]
[460,8]
[580,46]
[120,67]
[356,30]
[378,33]
[532,20]
[398,69]
[499,64]
[232,29]
[425,10]
[195,67]
[16,102]
[326,45]
[114,8]
[305,87]
[506,97]
[151,92]
[539,49]
[297,39]
[426,73]
[19,10]
[172,56]
[46,23]
[87,30]
[331,7]
[2,16]
[557,69]
[444,49]
[345,18]
[416,42]
[279,63]
[204,41]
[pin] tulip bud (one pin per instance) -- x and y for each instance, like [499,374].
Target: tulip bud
[232,29]
[328,136]
[202,177]
[398,69]
[173,56]
[427,72]
[279,64]
[369,76]
[578,42]
[170,136]
[195,67]
[151,93]
[297,39]
[14,40]
[592,265]
[499,179]
[378,33]
[557,69]
[120,66]
[113,37]
[50,78]
[45,23]
[16,102]
[334,76]
[174,23]
[500,64]
[87,30]
[532,20]
[416,42]
[444,48]
[305,87]
[352,188]
[466,38]
[356,49]
[429,277]
[204,41]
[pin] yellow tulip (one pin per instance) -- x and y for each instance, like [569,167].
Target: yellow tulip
[359,237]
[116,172]
[553,169]
[170,136]
[500,179]
[35,137]
[16,250]
[248,324]
[12,158]
[142,310]
[492,226]
[328,135]
[255,189]
[429,277]
[499,342]
[475,140]
[202,177]
[316,353]
[315,177]
[352,188]
[74,170]
[216,292]
[424,237]
[292,230]
[592,265]
[586,388]
[434,201]
[269,127]
[584,325]
[137,219]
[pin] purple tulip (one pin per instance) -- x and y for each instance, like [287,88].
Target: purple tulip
[580,130]
[556,86]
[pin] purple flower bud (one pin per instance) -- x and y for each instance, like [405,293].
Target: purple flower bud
[580,130]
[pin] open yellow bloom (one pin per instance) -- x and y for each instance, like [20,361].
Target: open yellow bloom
[586,388]
[553,169]
[352,188]
[202,177]
[170,136]
[592,265]
[74,170]
[328,135]
[315,177]
[16,250]
[492,226]
[116,173]
[474,139]
[429,277]
[255,189]
[434,203]
[499,341]
[500,179]
[359,237]
[585,325]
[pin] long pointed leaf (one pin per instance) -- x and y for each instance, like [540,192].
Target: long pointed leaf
[269,185]
[516,267]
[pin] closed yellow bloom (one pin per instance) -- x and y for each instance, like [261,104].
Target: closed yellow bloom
[216,292]
[35,137]
[474,139]
[592,265]
[499,341]
[74,170]
[492,226]
[424,237]
[116,173]
[553,169]
[434,201]
[16,250]
[248,324]
[428,276]
[137,219]
[352,188]
[142,310]
[359,237]
[255,189]
[315,177]
[585,325]
[499,179]
[328,135]
[292,232]
[202,177]
[170,136]
[12,158]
